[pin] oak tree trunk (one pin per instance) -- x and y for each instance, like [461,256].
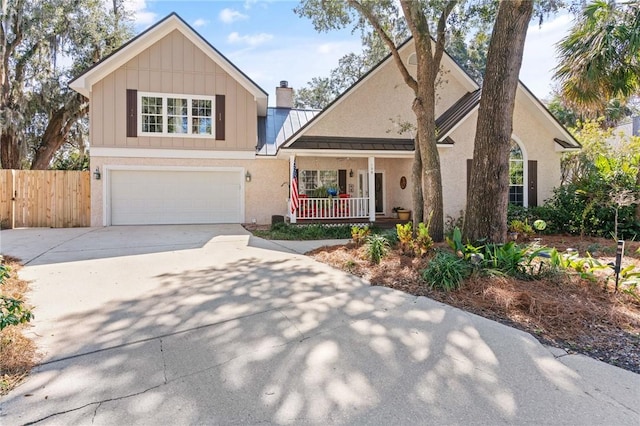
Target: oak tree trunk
[416,178]
[488,193]
[9,150]
[56,133]
[424,108]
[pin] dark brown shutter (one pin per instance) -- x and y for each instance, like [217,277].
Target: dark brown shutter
[342,181]
[533,183]
[132,113]
[220,117]
[469,163]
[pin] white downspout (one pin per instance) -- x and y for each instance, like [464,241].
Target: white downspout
[372,189]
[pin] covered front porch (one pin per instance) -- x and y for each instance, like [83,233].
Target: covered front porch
[353,189]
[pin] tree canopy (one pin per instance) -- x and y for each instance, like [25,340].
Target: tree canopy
[600,57]
[44,44]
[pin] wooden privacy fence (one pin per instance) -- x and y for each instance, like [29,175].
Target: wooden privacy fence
[45,198]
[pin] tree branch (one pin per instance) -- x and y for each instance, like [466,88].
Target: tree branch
[375,23]
[440,35]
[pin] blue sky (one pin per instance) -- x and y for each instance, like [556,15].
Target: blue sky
[269,42]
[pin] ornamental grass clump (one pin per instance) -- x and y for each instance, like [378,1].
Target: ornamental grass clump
[446,271]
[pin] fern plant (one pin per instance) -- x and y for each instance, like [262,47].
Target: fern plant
[359,233]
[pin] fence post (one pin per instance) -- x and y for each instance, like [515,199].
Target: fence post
[14,194]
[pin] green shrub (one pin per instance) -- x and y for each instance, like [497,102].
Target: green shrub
[455,242]
[600,191]
[4,272]
[521,227]
[285,231]
[359,233]
[423,241]
[12,311]
[405,236]
[377,248]
[391,235]
[451,223]
[506,258]
[446,271]
[417,246]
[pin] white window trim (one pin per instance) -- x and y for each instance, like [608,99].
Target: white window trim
[317,176]
[165,115]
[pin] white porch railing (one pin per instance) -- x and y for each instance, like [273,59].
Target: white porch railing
[333,208]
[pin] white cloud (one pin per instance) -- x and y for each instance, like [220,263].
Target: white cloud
[294,59]
[141,16]
[229,16]
[539,57]
[200,22]
[251,40]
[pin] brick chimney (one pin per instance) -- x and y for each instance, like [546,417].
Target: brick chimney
[284,95]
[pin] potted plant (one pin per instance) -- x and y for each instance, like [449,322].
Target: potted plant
[403,214]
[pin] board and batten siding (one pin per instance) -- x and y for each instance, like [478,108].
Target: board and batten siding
[172,65]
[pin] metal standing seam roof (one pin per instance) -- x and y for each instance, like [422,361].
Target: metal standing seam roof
[458,111]
[354,144]
[565,144]
[279,125]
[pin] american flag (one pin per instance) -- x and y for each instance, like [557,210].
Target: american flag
[295,201]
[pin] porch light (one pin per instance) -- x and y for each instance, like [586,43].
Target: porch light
[97,175]
[247,177]
[351,173]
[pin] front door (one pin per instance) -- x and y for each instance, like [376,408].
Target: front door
[379,193]
[363,188]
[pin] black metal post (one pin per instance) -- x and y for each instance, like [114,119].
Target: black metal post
[618,264]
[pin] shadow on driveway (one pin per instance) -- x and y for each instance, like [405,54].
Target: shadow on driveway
[284,342]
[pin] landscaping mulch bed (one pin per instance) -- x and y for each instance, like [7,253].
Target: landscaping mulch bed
[563,310]
[18,353]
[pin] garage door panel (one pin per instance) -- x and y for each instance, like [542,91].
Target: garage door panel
[175,197]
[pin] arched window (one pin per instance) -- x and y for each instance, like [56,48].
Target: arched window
[516,175]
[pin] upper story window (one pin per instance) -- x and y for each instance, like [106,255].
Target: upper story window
[164,115]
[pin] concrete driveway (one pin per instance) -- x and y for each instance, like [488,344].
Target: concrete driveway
[209,325]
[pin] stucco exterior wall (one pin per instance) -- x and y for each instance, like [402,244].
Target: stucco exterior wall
[173,65]
[534,136]
[265,195]
[383,101]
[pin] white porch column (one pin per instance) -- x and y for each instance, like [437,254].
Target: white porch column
[372,188]
[293,216]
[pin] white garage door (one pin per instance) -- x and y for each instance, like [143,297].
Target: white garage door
[155,197]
